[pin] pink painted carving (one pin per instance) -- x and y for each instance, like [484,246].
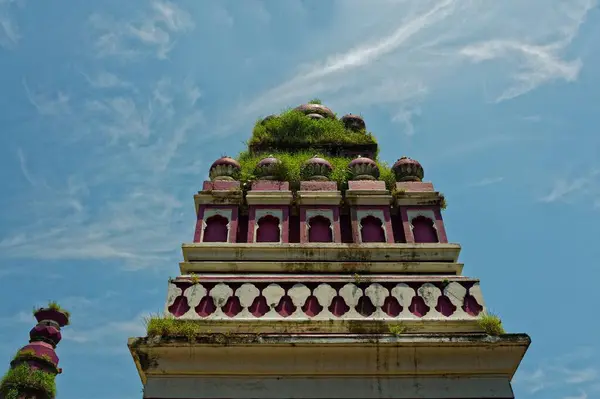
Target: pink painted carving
[268,229]
[319,229]
[259,307]
[312,307]
[391,306]
[232,307]
[424,230]
[206,307]
[283,225]
[445,306]
[470,305]
[179,307]
[418,307]
[285,307]
[338,306]
[371,230]
[201,222]
[439,223]
[216,229]
[364,306]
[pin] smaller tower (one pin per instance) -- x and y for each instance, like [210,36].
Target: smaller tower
[34,367]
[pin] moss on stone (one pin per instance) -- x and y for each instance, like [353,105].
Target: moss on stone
[293,128]
[491,324]
[23,378]
[53,305]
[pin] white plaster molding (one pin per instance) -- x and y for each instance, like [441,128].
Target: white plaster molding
[269,197]
[430,294]
[326,213]
[324,293]
[351,294]
[475,291]
[172,293]
[332,198]
[377,213]
[208,213]
[276,213]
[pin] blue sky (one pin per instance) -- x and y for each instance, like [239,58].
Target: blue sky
[111,112]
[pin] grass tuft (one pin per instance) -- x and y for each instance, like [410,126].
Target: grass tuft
[291,168]
[294,128]
[491,324]
[54,306]
[23,378]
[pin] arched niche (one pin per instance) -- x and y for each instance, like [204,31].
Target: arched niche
[372,229]
[423,227]
[320,229]
[268,229]
[215,227]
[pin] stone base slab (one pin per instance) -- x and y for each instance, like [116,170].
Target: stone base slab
[449,356]
[327,388]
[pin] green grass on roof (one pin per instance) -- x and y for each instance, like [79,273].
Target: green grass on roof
[23,378]
[291,168]
[294,128]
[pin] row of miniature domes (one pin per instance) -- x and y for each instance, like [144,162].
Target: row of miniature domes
[316,168]
[318,111]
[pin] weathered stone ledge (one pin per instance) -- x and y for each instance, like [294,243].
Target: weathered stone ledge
[321,252]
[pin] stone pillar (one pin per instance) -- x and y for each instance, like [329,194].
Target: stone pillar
[34,367]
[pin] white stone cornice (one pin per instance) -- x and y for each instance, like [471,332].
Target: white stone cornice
[369,197]
[321,252]
[450,268]
[269,198]
[421,198]
[332,198]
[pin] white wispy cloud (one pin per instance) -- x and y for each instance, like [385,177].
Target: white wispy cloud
[153,30]
[425,44]
[9,29]
[24,169]
[569,188]
[486,181]
[48,104]
[105,80]
[138,139]
[571,371]
[582,395]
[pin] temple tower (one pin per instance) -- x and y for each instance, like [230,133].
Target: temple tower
[34,367]
[317,271]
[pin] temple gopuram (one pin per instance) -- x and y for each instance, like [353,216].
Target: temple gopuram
[317,271]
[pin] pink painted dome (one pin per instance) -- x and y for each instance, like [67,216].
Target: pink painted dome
[316,168]
[53,316]
[268,168]
[315,116]
[45,333]
[353,122]
[407,169]
[362,168]
[225,168]
[322,110]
